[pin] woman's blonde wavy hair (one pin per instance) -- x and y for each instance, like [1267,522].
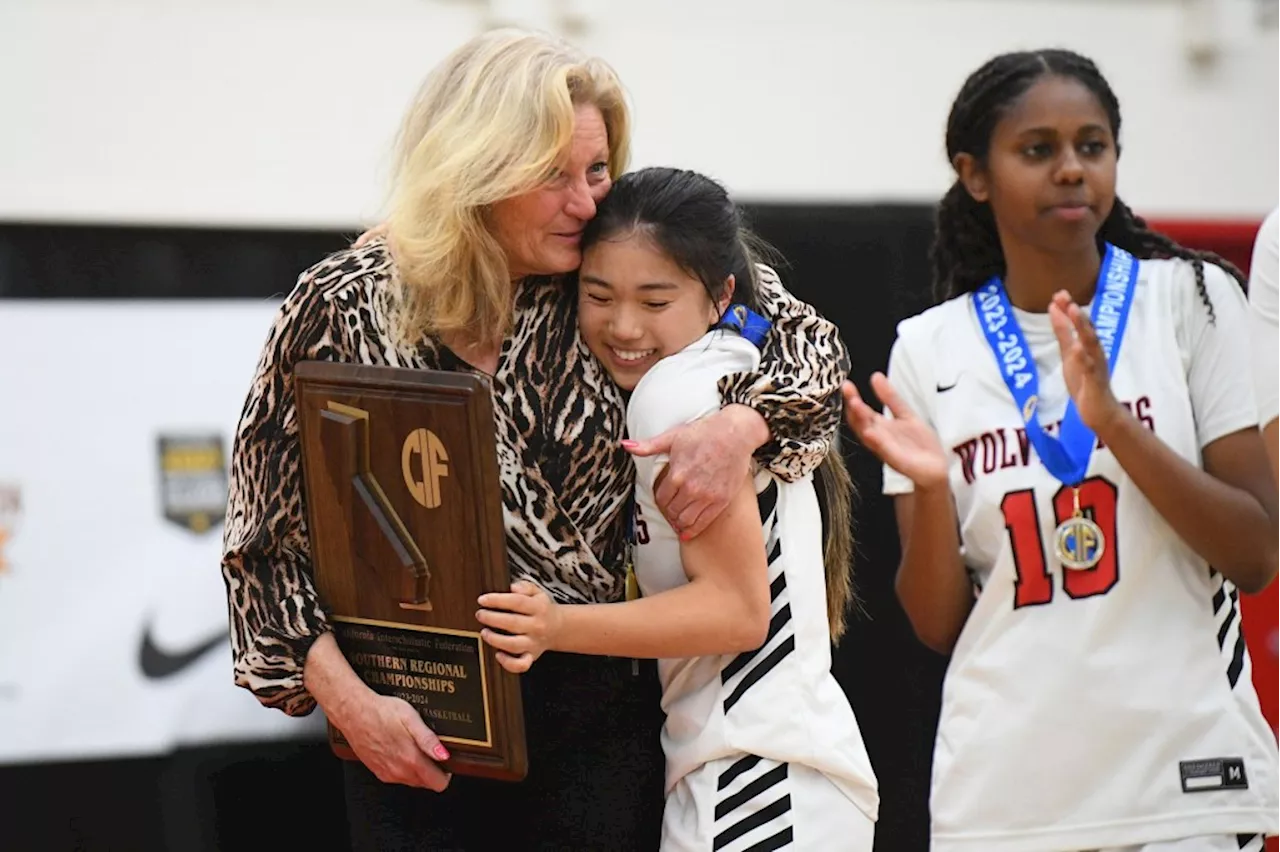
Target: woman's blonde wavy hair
[489,123]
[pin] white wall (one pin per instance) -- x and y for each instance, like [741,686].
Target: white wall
[280,112]
[92,567]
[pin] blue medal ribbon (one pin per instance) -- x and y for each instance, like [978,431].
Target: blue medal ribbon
[1066,457]
[747,323]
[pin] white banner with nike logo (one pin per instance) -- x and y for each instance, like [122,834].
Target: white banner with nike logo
[117,422]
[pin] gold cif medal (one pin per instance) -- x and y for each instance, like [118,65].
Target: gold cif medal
[1080,543]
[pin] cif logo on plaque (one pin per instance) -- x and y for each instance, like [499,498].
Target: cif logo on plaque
[423,478]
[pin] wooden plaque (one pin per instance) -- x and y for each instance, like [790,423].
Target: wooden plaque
[404,512]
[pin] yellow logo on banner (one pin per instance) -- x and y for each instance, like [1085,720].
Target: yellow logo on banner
[424,444]
[193,480]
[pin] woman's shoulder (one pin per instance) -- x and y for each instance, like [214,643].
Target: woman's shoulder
[344,291]
[927,324]
[1173,281]
[353,272]
[1181,271]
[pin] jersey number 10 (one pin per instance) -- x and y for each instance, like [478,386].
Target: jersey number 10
[1034,584]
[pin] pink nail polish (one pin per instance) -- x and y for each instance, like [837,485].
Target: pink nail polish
[440,753]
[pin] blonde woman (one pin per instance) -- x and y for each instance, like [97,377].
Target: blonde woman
[509,146]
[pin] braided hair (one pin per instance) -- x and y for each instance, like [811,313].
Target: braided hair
[966,250]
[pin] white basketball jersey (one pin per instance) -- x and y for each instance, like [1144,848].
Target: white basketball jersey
[779,701]
[1113,705]
[1264,317]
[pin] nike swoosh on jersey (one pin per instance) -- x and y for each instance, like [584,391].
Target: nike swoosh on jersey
[157,664]
[942,389]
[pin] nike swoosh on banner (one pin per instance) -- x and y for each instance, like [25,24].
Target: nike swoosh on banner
[157,663]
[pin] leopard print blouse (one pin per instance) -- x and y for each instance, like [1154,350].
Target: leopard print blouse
[565,478]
